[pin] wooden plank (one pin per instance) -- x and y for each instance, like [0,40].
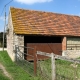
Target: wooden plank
[67,59]
[44,53]
[59,57]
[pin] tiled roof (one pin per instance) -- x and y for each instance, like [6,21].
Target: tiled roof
[44,23]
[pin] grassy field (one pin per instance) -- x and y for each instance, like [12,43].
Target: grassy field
[65,70]
[15,71]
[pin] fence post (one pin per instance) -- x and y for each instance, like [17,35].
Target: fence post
[53,66]
[35,61]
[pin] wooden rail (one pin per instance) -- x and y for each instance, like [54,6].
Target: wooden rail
[58,57]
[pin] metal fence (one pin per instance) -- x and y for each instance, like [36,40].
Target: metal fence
[66,70]
[39,67]
[50,66]
[44,69]
[28,65]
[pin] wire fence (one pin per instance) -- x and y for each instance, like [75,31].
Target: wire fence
[48,66]
[44,69]
[27,65]
[33,64]
[65,68]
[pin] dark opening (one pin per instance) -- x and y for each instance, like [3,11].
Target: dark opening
[42,39]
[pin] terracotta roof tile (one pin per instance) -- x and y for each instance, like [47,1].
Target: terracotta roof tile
[44,23]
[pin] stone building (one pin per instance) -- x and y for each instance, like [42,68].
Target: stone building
[49,32]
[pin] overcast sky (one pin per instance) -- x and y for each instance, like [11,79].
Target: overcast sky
[70,7]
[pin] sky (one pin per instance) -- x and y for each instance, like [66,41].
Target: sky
[70,7]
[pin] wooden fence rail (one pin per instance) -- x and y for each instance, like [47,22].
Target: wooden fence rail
[59,57]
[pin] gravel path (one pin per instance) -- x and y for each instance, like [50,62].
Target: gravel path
[2,49]
[5,72]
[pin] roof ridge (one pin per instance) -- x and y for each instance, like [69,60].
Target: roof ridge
[46,12]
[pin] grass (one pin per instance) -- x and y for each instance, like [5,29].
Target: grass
[26,65]
[44,69]
[67,70]
[64,69]
[15,71]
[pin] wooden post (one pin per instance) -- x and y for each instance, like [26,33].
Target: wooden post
[35,61]
[53,67]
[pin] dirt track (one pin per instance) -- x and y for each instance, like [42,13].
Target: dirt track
[5,72]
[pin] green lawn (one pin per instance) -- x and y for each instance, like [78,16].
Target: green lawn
[67,70]
[15,71]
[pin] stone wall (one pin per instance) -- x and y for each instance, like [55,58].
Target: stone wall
[19,41]
[13,39]
[10,37]
[71,53]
